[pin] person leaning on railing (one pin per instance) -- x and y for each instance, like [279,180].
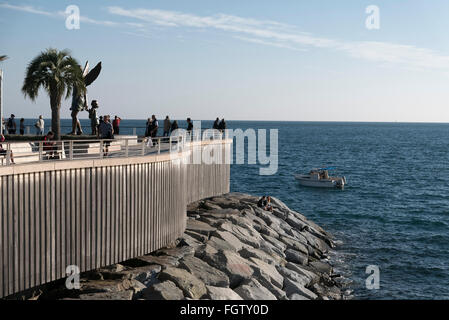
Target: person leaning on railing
[3,152]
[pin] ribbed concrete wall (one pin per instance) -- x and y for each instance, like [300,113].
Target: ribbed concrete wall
[95,213]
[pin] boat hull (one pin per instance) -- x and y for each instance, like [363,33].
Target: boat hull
[328,183]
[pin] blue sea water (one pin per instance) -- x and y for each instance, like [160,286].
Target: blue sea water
[394,213]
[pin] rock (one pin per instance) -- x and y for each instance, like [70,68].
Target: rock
[225,212]
[296,296]
[204,272]
[295,244]
[259,254]
[122,295]
[219,293]
[275,242]
[260,266]
[146,274]
[229,238]
[313,277]
[251,289]
[245,235]
[294,276]
[321,266]
[205,249]
[112,268]
[190,241]
[197,236]
[166,290]
[220,244]
[178,252]
[232,264]
[165,261]
[208,205]
[199,227]
[106,285]
[291,287]
[295,256]
[137,287]
[190,285]
[295,223]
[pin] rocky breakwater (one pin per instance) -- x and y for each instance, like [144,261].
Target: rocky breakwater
[231,250]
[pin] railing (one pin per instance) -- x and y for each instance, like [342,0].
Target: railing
[40,151]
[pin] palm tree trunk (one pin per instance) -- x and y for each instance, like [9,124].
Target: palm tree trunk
[55,117]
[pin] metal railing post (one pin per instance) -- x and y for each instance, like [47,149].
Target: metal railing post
[143,146]
[126,148]
[8,154]
[41,153]
[71,149]
[134,131]
[101,149]
[159,146]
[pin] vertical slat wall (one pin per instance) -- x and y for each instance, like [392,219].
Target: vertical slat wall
[93,217]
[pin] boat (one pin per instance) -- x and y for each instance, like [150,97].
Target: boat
[320,178]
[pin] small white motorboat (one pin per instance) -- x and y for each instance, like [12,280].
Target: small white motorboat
[320,178]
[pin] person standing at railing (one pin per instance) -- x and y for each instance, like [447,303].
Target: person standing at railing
[40,124]
[149,125]
[106,131]
[189,125]
[22,126]
[216,124]
[3,152]
[11,125]
[93,117]
[155,126]
[222,125]
[167,126]
[116,125]
[174,126]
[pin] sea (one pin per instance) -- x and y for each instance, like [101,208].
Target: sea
[392,214]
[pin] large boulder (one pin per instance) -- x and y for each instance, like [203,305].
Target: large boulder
[219,293]
[295,244]
[232,264]
[291,287]
[260,267]
[204,272]
[121,295]
[230,239]
[199,227]
[146,274]
[260,254]
[164,261]
[220,244]
[166,290]
[245,235]
[251,289]
[296,257]
[294,276]
[177,252]
[190,285]
[311,276]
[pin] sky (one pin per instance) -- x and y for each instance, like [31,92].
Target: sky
[241,60]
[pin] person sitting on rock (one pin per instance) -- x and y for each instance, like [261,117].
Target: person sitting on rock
[261,202]
[268,206]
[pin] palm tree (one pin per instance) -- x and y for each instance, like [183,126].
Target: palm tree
[58,73]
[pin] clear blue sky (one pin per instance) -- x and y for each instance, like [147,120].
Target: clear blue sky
[252,59]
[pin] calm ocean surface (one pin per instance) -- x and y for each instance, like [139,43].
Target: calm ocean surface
[394,213]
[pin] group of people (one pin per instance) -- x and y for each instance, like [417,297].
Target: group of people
[219,125]
[152,126]
[11,126]
[265,203]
